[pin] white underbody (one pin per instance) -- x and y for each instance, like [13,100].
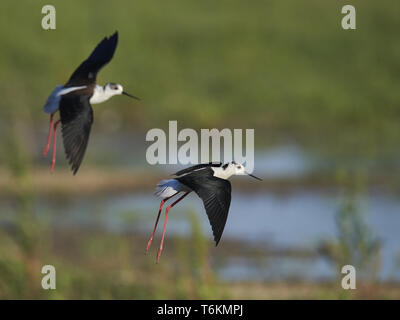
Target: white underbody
[53,101]
[167,188]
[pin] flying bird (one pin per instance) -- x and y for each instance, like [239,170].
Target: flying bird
[210,182]
[74,99]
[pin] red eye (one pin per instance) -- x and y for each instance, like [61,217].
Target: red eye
[238,167]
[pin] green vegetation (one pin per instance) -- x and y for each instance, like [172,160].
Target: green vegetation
[285,68]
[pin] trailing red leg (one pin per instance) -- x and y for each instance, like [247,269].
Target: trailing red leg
[46,149]
[53,160]
[165,224]
[158,217]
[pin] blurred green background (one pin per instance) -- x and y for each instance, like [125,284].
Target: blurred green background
[324,105]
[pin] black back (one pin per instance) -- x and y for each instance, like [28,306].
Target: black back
[86,73]
[198,166]
[76,118]
[215,193]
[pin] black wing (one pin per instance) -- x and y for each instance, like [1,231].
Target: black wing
[216,196]
[76,118]
[101,55]
[198,166]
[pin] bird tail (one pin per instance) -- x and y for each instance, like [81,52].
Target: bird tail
[166,188]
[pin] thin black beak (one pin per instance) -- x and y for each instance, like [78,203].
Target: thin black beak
[253,176]
[129,95]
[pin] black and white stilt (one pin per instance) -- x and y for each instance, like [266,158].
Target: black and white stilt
[74,100]
[210,182]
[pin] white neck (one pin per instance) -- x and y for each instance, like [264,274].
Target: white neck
[100,95]
[219,172]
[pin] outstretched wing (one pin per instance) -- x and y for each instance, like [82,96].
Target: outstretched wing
[76,118]
[216,196]
[197,167]
[86,73]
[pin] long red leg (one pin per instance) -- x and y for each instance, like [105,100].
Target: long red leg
[158,217]
[165,224]
[46,149]
[53,160]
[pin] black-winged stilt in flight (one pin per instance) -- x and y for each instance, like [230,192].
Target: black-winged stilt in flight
[74,100]
[210,182]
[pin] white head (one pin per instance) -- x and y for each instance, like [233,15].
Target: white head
[112,89]
[104,93]
[231,168]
